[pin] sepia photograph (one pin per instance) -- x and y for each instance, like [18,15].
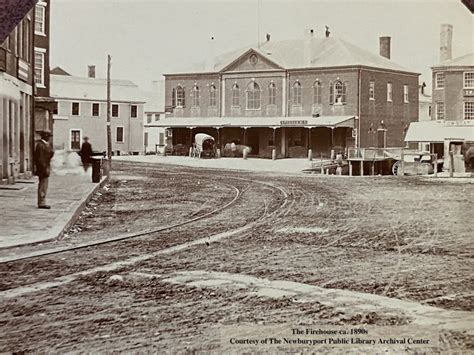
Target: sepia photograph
[236,176]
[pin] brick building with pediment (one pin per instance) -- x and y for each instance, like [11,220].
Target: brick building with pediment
[318,93]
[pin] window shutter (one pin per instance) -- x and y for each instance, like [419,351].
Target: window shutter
[344,92]
[331,93]
[184,97]
[173,97]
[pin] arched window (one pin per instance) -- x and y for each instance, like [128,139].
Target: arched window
[235,95]
[272,94]
[212,96]
[180,97]
[253,96]
[317,92]
[297,93]
[196,96]
[337,93]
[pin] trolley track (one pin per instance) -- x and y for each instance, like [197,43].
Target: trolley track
[152,236]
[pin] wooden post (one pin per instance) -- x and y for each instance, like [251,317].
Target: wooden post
[361,168]
[373,167]
[109,130]
[322,170]
[402,164]
[310,154]
[274,154]
[350,168]
[451,163]
[435,170]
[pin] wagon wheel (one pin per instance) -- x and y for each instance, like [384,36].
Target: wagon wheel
[396,167]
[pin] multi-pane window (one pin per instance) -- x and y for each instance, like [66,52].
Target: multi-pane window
[389,92]
[439,80]
[39,68]
[75,139]
[161,139]
[95,109]
[145,139]
[180,96]
[148,117]
[40,11]
[119,134]
[196,96]
[115,110]
[272,94]
[372,90]
[405,93]
[157,116]
[253,96]
[212,96]
[469,80]
[235,95]
[440,110]
[133,111]
[75,109]
[297,99]
[337,93]
[317,92]
[469,110]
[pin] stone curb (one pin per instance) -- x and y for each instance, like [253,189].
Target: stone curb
[58,231]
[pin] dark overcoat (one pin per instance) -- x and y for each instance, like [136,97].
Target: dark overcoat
[86,153]
[42,159]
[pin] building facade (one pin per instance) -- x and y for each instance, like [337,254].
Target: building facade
[17,101]
[154,138]
[82,112]
[44,104]
[451,128]
[323,94]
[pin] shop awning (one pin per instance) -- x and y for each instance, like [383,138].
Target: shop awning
[247,122]
[439,131]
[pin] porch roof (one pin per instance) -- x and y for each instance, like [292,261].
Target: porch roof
[244,122]
[439,131]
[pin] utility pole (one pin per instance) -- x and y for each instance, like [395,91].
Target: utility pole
[109,133]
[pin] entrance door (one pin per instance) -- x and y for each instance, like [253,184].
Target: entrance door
[253,140]
[381,138]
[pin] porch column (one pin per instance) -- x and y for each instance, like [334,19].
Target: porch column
[245,135]
[310,150]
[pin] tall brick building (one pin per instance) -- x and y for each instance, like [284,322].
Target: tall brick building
[319,93]
[452,120]
[16,101]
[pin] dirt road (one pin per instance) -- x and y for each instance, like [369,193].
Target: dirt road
[287,250]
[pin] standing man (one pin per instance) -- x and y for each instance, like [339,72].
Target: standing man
[86,154]
[42,160]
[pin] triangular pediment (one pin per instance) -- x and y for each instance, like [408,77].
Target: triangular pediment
[251,60]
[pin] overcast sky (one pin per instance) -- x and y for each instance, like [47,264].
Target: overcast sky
[148,38]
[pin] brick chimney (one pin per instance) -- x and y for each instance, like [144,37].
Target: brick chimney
[210,56]
[446,42]
[307,46]
[91,72]
[384,44]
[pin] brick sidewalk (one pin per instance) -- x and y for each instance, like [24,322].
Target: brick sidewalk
[23,223]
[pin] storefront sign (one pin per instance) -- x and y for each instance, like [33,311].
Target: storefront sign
[293,123]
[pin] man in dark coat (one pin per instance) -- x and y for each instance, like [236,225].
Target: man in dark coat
[86,154]
[42,159]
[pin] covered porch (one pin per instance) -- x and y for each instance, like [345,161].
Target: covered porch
[283,137]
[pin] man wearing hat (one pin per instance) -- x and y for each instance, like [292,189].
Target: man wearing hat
[42,160]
